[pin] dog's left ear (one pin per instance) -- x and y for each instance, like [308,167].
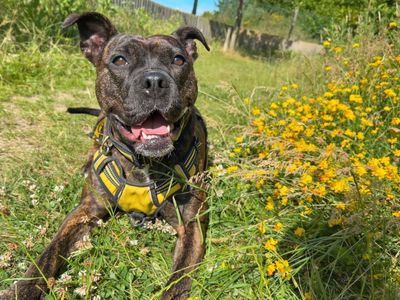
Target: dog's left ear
[187,35]
[95,30]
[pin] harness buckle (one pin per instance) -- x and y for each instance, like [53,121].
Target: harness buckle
[106,147]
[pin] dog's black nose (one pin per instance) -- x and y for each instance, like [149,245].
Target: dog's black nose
[155,81]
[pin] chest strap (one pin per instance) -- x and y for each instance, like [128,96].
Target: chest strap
[143,198]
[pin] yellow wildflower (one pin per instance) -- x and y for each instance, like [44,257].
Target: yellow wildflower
[299,231]
[307,211]
[396,214]
[260,183]
[283,190]
[255,111]
[237,150]
[340,186]
[337,50]
[326,44]
[261,227]
[270,204]
[390,93]
[355,98]
[379,172]
[271,269]
[239,139]
[341,206]
[294,86]
[306,179]
[270,245]
[307,296]
[282,266]
[361,170]
[232,169]
[327,175]
[320,190]
[278,226]
[395,121]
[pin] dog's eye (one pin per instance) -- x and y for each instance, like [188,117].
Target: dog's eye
[119,61]
[179,60]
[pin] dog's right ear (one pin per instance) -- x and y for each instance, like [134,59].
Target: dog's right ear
[95,30]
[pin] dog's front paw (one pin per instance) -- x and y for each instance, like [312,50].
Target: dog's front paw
[173,296]
[179,291]
[22,292]
[7,294]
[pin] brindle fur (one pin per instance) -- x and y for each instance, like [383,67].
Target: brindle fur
[120,94]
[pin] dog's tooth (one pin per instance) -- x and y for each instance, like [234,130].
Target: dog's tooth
[169,128]
[144,135]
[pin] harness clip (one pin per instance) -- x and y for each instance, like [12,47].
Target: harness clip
[106,147]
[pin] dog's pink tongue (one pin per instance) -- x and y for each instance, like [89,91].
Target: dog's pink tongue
[155,125]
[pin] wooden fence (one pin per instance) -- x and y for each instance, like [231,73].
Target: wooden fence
[250,41]
[209,28]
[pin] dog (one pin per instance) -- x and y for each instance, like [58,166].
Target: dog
[150,151]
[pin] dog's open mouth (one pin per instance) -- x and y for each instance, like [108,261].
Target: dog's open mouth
[153,128]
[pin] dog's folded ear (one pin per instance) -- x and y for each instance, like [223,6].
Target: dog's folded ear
[187,35]
[94,29]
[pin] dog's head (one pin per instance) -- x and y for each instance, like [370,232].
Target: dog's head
[145,86]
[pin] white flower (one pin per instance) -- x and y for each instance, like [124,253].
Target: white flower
[133,242]
[58,188]
[5,260]
[100,223]
[2,191]
[80,291]
[65,277]
[96,277]
[83,244]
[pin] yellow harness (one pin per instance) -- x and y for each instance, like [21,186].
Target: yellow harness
[137,199]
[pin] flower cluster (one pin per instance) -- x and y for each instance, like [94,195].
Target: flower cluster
[334,154]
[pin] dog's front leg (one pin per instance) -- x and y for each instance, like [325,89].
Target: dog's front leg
[76,225]
[190,246]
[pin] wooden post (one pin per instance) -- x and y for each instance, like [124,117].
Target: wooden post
[236,28]
[291,28]
[397,9]
[194,10]
[227,39]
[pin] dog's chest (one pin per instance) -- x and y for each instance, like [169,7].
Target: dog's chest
[140,175]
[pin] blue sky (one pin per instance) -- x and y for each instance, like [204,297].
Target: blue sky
[187,5]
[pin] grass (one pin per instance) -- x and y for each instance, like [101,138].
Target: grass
[42,149]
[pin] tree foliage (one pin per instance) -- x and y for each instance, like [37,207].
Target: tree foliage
[315,15]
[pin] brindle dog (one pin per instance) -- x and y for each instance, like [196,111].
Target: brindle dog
[146,88]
